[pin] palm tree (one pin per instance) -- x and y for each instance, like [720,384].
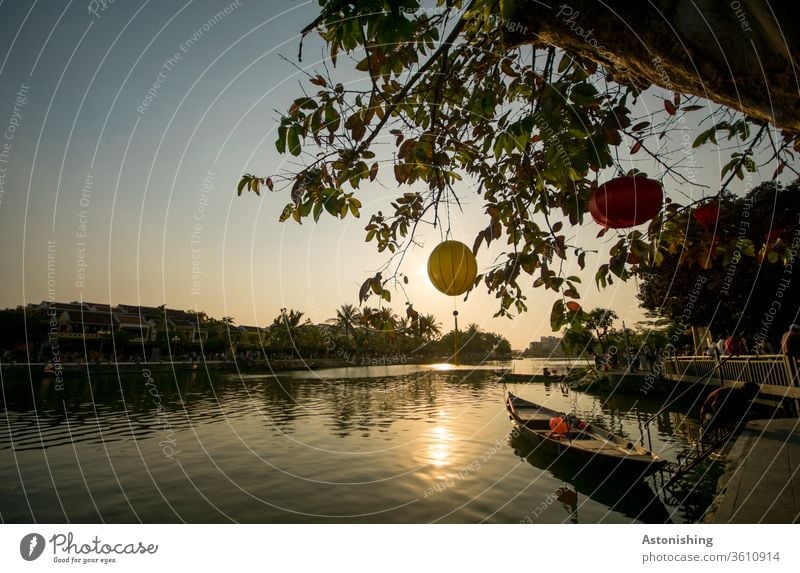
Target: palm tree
[404,327]
[346,317]
[366,316]
[378,318]
[290,319]
[284,327]
[386,320]
[472,341]
[429,328]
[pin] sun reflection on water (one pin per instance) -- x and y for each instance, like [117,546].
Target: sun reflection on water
[439,448]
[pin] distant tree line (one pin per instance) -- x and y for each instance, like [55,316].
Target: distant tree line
[353,334]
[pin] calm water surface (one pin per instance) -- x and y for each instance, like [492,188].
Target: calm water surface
[381,444]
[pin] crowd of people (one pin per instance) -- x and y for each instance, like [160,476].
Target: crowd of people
[646,357]
[739,344]
[633,360]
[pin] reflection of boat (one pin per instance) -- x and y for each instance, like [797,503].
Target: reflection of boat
[634,500]
[588,444]
[507,376]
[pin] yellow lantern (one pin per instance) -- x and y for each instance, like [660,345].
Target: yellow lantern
[452,268]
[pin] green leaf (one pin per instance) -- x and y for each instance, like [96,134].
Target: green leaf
[709,134]
[332,118]
[286,213]
[557,317]
[280,143]
[242,182]
[499,145]
[363,65]
[293,139]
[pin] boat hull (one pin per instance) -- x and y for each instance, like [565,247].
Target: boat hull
[632,498]
[591,446]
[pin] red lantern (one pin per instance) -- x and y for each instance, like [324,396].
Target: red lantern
[626,202]
[707,215]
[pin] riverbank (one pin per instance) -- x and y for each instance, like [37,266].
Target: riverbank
[761,483]
[254,366]
[37,369]
[622,381]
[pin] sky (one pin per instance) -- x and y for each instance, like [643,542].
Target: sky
[125,129]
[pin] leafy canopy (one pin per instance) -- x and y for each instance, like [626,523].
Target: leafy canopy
[445,107]
[731,270]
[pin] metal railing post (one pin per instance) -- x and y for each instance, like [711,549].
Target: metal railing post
[791,370]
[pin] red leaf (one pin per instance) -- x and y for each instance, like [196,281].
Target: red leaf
[670,107]
[636,147]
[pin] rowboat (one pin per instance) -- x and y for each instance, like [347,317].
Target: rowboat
[584,443]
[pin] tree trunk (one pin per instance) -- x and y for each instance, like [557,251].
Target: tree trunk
[740,53]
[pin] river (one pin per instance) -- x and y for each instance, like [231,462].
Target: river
[393,444]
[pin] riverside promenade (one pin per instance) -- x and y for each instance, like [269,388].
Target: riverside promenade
[761,483]
[777,376]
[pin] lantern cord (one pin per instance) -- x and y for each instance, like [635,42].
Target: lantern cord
[456,359]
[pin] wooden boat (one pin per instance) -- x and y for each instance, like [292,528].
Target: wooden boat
[588,445]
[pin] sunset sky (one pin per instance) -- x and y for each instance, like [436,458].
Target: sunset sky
[126,132]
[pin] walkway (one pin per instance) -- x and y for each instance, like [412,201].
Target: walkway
[762,481]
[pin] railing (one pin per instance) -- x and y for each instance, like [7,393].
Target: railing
[682,366]
[765,370]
